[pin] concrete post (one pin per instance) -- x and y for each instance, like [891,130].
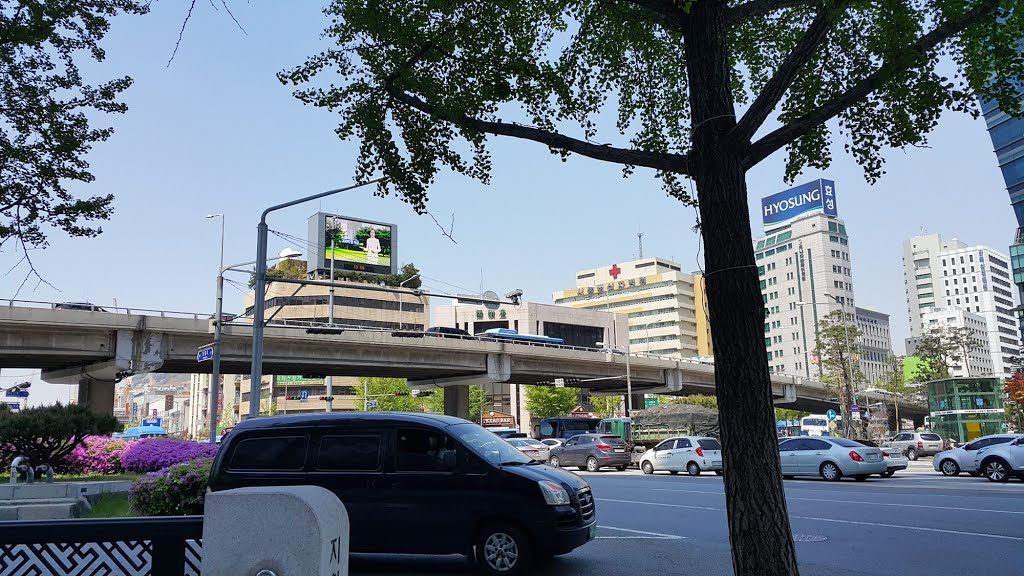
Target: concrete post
[287,530]
[98,395]
[456,401]
[637,401]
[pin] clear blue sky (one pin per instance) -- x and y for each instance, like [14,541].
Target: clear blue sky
[216,132]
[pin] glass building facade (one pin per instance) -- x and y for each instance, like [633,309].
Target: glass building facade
[966,408]
[1007,136]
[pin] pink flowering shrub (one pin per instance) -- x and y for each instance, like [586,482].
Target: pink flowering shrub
[152,454]
[177,490]
[97,455]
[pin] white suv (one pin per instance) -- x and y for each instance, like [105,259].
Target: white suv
[916,444]
[999,462]
[964,459]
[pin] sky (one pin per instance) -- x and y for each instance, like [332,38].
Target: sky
[215,132]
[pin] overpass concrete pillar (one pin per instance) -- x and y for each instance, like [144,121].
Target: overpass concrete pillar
[456,401]
[638,402]
[98,395]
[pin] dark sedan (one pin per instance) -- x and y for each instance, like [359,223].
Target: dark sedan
[592,452]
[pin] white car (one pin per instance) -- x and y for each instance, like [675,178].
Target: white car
[963,459]
[692,454]
[1001,461]
[532,448]
[552,442]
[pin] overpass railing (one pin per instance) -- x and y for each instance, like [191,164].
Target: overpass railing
[150,546]
[89,307]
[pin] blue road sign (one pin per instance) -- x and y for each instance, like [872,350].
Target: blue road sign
[17,394]
[831,415]
[204,354]
[14,406]
[304,395]
[372,404]
[855,408]
[152,421]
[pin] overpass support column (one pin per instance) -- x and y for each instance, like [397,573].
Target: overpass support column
[456,401]
[638,401]
[98,395]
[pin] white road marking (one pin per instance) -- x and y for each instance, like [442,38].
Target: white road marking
[640,534]
[836,521]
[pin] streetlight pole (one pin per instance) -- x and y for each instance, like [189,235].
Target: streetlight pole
[402,285]
[629,378]
[259,307]
[329,381]
[219,318]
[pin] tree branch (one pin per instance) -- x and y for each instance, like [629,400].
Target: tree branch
[668,162]
[664,12]
[779,83]
[755,8]
[797,128]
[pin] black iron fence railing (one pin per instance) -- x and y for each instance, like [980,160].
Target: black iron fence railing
[152,546]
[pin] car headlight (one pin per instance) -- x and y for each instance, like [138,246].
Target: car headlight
[554,493]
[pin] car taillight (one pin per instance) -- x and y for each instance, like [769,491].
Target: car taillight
[885,454]
[855,457]
[700,452]
[603,447]
[920,445]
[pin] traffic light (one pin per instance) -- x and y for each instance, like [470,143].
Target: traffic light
[293,397]
[422,393]
[327,398]
[401,393]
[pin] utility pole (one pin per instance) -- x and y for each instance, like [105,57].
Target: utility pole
[329,381]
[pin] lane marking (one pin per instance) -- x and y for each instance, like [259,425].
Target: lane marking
[639,534]
[836,521]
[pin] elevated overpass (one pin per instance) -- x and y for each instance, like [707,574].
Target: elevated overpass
[96,349]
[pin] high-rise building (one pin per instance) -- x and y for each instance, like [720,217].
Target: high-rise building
[874,343]
[655,294]
[1007,136]
[976,279]
[978,361]
[803,261]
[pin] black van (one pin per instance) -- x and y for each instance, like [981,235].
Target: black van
[418,484]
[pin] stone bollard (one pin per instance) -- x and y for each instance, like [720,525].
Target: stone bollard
[279,530]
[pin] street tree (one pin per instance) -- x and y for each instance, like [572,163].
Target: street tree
[962,339]
[699,93]
[48,115]
[548,401]
[836,347]
[938,352]
[894,382]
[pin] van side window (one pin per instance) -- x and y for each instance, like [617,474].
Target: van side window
[546,429]
[424,451]
[277,453]
[349,452]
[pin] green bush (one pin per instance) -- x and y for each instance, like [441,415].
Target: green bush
[49,434]
[177,490]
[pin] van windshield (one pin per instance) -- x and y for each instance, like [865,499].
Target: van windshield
[578,425]
[488,446]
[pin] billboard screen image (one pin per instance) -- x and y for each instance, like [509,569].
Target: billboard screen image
[358,245]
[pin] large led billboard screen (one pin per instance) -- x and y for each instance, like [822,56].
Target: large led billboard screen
[358,245]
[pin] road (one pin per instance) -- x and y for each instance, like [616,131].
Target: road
[916,523]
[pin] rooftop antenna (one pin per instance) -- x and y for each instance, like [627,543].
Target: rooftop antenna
[640,240]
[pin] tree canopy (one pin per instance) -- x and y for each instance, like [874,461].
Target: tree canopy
[48,113]
[548,401]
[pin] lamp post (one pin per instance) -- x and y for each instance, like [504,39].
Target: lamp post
[402,285]
[285,254]
[259,307]
[629,381]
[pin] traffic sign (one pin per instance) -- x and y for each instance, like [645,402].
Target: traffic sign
[831,415]
[649,402]
[152,421]
[204,354]
[832,425]
[559,382]
[16,394]
[304,395]
[855,415]
[855,408]
[372,404]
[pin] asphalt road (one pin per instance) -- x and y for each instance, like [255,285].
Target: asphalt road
[916,523]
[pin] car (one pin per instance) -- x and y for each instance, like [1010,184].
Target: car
[552,442]
[916,444]
[592,452]
[88,307]
[690,454]
[964,458]
[416,483]
[895,459]
[831,458]
[999,462]
[532,448]
[447,332]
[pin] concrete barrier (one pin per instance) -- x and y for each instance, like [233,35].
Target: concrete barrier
[279,531]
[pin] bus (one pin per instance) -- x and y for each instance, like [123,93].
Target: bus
[137,432]
[817,425]
[515,336]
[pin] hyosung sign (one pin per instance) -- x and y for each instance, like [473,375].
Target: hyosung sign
[816,195]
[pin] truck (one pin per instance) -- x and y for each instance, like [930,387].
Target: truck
[647,428]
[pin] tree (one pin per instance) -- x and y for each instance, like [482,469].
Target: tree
[961,339]
[48,434]
[836,346]
[425,84]
[938,352]
[894,382]
[45,113]
[376,386]
[788,414]
[548,401]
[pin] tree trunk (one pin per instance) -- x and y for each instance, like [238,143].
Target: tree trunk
[759,530]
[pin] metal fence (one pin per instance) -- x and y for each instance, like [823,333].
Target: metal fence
[152,546]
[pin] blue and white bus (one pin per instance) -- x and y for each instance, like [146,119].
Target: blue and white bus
[515,336]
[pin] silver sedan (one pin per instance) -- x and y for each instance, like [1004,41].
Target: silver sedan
[532,448]
[830,458]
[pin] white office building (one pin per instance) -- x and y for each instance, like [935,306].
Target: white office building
[976,279]
[803,261]
[874,343]
[979,362]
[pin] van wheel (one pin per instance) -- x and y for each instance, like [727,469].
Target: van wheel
[693,469]
[554,462]
[911,454]
[647,467]
[502,549]
[592,465]
[620,468]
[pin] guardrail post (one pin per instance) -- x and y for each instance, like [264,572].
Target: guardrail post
[168,557]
